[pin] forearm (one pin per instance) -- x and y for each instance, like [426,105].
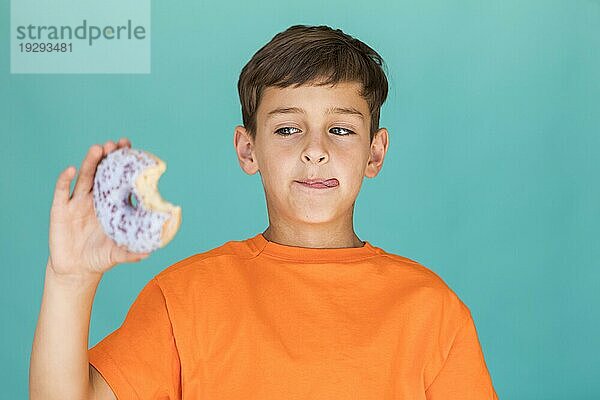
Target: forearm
[59,359]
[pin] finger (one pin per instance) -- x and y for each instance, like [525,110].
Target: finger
[124,142]
[85,180]
[63,186]
[108,147]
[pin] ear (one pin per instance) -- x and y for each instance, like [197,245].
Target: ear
[379,147]
[244,148]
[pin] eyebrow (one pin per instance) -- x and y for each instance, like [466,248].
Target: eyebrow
[330,110]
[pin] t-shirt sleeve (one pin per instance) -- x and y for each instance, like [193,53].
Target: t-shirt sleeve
[139,360]
[464,374]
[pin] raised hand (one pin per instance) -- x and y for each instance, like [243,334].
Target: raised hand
[79,247]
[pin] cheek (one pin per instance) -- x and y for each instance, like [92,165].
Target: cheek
[278,173]
[354,164]
[282,163]
[354,173]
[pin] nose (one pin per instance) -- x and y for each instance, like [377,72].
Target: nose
[315,151]
[320,159]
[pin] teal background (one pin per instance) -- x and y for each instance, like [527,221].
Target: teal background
[491,178]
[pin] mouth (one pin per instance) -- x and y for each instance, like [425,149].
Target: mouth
[319,183]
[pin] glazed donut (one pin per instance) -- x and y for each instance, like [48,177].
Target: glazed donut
[128,204]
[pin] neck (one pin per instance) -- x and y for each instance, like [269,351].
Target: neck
[312,237]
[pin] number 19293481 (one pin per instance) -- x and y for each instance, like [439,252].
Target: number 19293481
[46,47]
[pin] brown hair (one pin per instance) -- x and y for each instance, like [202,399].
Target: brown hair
[305,54]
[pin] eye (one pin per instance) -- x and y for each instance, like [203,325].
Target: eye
[344,129]
[280,131]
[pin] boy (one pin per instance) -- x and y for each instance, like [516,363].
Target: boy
[303,310]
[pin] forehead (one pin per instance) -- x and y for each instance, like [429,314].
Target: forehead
[313,99]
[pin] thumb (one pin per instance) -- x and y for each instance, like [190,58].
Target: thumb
[123,255]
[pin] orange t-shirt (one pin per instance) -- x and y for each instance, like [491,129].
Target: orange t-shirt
[254,319]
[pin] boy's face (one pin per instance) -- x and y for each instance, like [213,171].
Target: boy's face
[292,145]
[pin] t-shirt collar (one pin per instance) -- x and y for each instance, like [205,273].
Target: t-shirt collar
[309,254]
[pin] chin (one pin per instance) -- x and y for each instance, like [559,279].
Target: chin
[312,217]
